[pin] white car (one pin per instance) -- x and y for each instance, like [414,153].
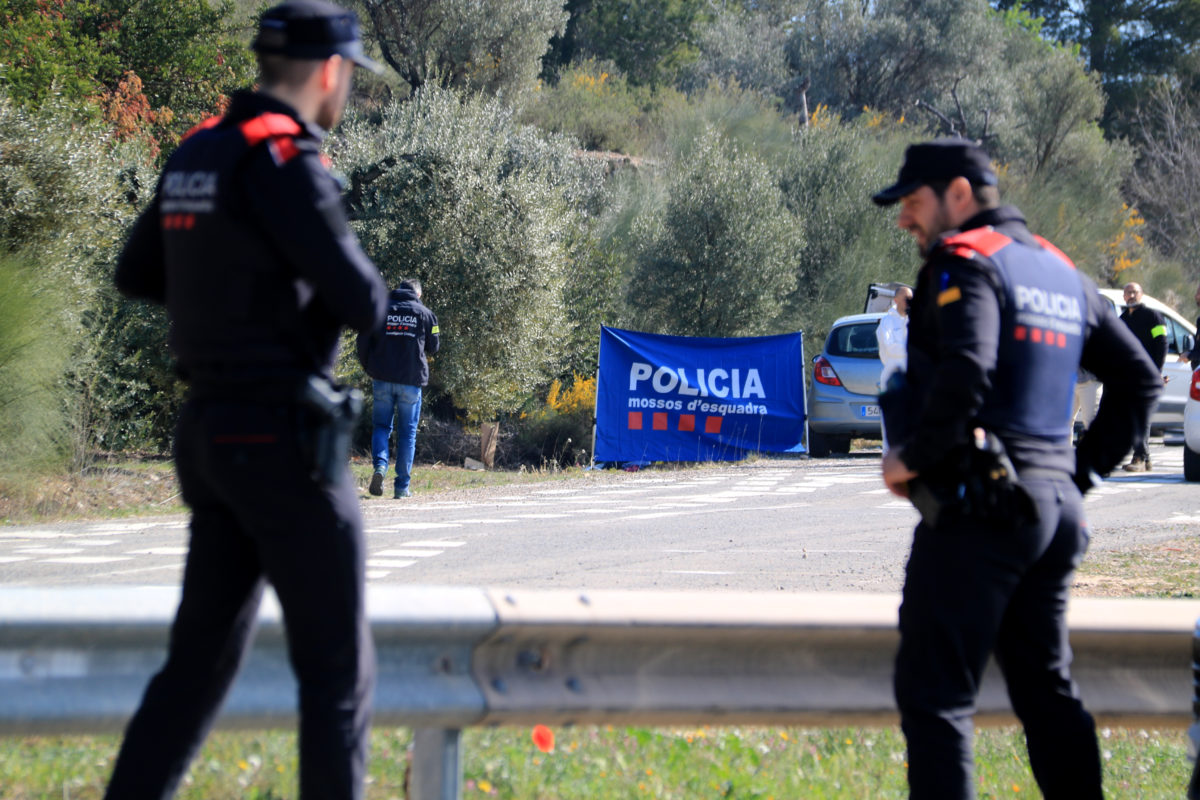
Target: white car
[1191,430]
[1181,336]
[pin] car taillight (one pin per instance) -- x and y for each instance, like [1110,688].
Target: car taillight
[823,373]
[1195,392]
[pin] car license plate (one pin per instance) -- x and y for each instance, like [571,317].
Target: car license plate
[868,411]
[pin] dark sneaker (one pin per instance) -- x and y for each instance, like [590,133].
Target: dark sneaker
[401,493]
[1138,464]
[376,487]
[1147,463]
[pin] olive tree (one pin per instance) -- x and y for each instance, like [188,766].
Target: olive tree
[483,212]
[715,259]
[495,46]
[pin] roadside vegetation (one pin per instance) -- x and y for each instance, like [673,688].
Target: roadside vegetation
[607,763]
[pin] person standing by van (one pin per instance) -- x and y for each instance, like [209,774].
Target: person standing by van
[1150,329]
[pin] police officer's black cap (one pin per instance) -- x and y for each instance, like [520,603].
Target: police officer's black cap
[311,30]
[939,160]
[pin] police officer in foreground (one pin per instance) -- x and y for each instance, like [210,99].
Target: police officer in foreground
[999,324]
[247,245]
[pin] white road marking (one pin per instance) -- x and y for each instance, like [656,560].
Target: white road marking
[177,565]
[539,516]
[409,553]
[30,534]
[159,551]
[14,559]
[388,563]
[376,574]
[95,542]
[432,543]
[696,572]
[85,560]
[417,526]
[49,551]
[122,527]
[810,550]
[693,511]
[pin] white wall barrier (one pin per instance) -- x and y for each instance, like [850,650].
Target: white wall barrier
[77,660]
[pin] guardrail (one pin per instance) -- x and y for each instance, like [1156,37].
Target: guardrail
[77,660]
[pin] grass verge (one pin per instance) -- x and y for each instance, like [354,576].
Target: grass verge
[1166,569]
[603,763]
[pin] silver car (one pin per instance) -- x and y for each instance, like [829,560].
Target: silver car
[844,402]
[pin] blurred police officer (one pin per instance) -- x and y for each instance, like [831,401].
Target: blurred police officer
[999,324]
[247,245]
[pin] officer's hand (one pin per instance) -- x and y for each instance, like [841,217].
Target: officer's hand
[896,474]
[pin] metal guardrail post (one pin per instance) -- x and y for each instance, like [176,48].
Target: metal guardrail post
[1193,792]
[436,772]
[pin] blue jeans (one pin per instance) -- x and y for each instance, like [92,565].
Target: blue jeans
[402,403]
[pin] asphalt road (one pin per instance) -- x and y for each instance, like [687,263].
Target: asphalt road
[790,525]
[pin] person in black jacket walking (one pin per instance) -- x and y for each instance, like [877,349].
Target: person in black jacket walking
[394,356]
[247,245]
[1150,329]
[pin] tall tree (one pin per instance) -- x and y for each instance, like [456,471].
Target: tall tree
[1166,183]
[452,191]
[495,46]
[1123,41]
[153,67]
[648,40]
[716,260]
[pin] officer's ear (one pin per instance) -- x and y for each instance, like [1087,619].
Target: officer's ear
[960,199]
[331,70]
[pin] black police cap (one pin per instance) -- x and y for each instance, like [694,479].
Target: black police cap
[311,30]
[939,160]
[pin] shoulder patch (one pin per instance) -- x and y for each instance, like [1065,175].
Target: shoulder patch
[985,241]
[948,296]
[268,126]
[283,149]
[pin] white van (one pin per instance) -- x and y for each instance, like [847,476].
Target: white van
[1181,337]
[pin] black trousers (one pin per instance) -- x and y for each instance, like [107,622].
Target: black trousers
[1141,438]
[969,591]
[257,516]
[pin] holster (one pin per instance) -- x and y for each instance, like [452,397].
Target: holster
[330,413]
[976,484]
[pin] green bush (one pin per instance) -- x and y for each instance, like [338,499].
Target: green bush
[594,104]
[717,258]
[34,428]
[67,194]
[558,431]
[828,179]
